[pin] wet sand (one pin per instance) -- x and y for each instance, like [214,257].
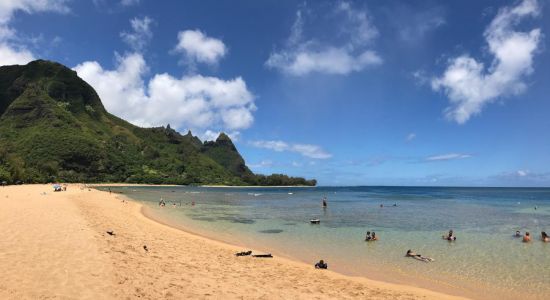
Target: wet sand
[56,246]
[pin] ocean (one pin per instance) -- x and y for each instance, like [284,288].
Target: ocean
[485,262]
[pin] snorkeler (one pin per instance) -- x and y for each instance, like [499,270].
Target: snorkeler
[410,253]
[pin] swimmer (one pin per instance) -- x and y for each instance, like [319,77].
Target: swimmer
[527,237]
[368,237]
[325,202]
[374,237]
[518,234]
[410,253]
[544,237]
[450,237]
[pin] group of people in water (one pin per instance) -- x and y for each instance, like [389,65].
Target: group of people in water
[526,238]
[371,237]
[162,203]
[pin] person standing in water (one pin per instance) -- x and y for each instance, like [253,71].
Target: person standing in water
[325,202]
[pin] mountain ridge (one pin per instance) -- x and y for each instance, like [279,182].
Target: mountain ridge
[54,127]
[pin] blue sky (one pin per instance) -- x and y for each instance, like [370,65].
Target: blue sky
[347,92]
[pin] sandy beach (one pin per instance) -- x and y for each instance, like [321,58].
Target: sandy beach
[56,246]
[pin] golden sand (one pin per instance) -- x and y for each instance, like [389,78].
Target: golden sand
[56,246]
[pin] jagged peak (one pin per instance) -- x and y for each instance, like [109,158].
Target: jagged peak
[223,137]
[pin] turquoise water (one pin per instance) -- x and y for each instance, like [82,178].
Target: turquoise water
[486,261]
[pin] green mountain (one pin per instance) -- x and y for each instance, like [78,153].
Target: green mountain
[53,127]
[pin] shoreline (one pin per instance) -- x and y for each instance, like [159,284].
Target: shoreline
[395,277]
[207,185]
[58,248]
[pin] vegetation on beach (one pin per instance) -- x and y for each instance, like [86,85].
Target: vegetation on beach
[53,127]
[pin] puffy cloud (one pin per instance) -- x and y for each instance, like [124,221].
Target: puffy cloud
[411,136]
[197,47]
[307,150]
[10,52]
[196,102]
[301,57]
[14,56]
[449,156]
[141,33]
[470,86]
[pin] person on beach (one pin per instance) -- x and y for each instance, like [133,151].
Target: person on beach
[410,253]
[544,237]
[368,238]
[527,237]
[321,265]
[518,234]
[450,237]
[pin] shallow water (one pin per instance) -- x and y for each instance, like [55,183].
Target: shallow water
[486,261]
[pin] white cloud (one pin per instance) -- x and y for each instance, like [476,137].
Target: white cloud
[301,57]
[13,56]
[470,86]
[278,146]
[449,156]
[141,33]
[311,151]
[196,102]
[197,47]
[11,52]
[8,7]
[522,173]
[307,150]
[411,136]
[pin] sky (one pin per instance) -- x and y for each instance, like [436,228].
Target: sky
[436,93]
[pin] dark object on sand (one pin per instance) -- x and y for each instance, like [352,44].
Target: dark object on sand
[262,255]
[145,248]
[244,253]
[315,221]
[110,232]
